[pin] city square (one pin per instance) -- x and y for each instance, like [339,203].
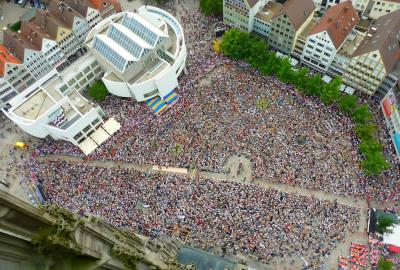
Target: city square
[242,166]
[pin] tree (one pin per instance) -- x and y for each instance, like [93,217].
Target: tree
[15,27]
[384,224]
[370,147]
[314,86]
[331,91]
[348,104]
[284,73]
[362,115]
[300,78]
[384,264]
[211,7]
[98,91]
[365,132]
[374,164]
[236,44]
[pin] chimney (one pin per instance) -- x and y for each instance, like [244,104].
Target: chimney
[346,9]
[330,19]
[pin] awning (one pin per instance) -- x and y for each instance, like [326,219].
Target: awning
[87,146]
[393,237]
[394,249]
[100,136]
[111,126]
[327,79]
[387,107]
[396,139]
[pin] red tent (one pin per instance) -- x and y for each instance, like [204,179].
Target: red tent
[394,249]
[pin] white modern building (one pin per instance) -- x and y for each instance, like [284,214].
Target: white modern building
[142,55]
[54,106]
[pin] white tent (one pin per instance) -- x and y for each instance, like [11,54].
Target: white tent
[392,238]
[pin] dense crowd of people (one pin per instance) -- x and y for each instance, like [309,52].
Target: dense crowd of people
[290,139]
[234,216]
[217,117]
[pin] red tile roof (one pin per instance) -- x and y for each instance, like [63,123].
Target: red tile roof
[6,57]
[338,21]
[103,4]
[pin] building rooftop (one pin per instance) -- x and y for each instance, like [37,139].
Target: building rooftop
[34,33]
[104,4]
[351,44]
[297,11]
[6,57]
[269,11]
[63,12]
[338,22]
[383,36]
[35,106]
[17,44]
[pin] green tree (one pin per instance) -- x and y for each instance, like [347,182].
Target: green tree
[284,73]
[384,264]
[366,132]
[300,78]
[374,164]
[331,91]
[384,224]
[236,44]
[362,115]
[98,91]
[348,104]
[258,55]
[370,147]
[211,7]
[314,86]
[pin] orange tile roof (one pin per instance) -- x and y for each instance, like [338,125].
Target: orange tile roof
[6,57]
[338,21]
[102,4]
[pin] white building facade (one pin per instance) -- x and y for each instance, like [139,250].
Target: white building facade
[54,106]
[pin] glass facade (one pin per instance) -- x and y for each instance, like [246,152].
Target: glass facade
[107,52]
[141,30]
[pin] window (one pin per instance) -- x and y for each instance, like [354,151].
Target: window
[95,121]
[71,82]
[63,88]
[87,128]
[79,76]
[78,135]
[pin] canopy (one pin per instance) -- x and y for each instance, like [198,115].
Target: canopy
[87,146]
[394,249]
[396,139]
[111,126]
[100,136]
[392,238]
[387,108]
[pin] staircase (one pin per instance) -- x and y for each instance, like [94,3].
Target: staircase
[157,105]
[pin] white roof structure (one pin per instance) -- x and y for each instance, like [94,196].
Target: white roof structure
[127,40]
[87,146]
[392,238]
[111,126]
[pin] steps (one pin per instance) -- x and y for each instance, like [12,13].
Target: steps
[158,105]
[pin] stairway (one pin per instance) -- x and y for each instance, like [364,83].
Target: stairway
[157,105]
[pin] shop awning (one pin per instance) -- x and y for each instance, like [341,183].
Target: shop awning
[394,249]
[100,136]
[87,146]
[111,126]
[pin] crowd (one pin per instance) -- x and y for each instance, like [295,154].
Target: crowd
[236,217]
[217,117]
